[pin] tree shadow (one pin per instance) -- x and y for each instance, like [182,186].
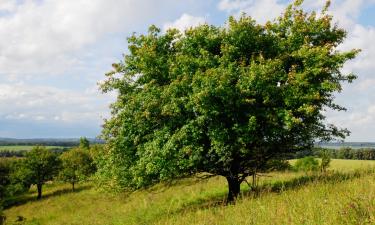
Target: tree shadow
[301,181]
[219,200]
[31,196]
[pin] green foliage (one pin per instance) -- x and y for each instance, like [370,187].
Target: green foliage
[84,143]
[4,177]
[278,165]
[76,165]
[326,160]
[40,165]
[307,164]
[222,100]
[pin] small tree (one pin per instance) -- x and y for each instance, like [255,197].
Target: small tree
[77,165]
[84,143]
[41,165]
[326,160]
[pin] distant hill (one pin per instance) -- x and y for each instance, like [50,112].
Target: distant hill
[47,141]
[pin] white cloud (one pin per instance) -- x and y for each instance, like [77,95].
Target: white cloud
[52,52]
[7,5]
[261,11]
[184,22]
[233,5]
[43,103]
[45,37]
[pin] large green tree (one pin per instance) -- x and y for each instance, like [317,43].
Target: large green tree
[41,165]
[222,100]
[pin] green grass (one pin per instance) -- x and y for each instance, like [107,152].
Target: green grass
[285,198]
[24,147]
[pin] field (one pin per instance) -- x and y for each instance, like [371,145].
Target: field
[24,147]
[346,195]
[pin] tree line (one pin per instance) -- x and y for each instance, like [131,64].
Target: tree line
[46,142]
[22,153]
[342,153]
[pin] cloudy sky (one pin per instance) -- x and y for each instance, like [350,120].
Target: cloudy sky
[54,52]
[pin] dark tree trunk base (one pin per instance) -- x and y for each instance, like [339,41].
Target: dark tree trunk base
[233,189]
[39,187]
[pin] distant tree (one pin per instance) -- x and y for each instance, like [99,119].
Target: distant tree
[223,100]
[84,143]
[345,153]
[41,165]
[76,165]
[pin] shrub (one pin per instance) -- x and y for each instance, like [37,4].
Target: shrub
[278,165]
[307,164]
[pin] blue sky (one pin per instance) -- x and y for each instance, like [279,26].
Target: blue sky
[54,52]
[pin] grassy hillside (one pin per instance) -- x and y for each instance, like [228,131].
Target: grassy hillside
[284,198]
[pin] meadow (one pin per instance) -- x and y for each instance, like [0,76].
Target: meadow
[24,147]
[345,195]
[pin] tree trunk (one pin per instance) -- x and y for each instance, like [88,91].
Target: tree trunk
[73,186]
[39,187]
[233,189]
[254,180]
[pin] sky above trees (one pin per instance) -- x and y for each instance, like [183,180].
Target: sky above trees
[53,53]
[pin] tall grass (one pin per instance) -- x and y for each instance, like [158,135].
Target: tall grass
[343,196]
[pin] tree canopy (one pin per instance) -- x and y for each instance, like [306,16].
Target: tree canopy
[84,143]
[40,165]
[76,165]
[223,100]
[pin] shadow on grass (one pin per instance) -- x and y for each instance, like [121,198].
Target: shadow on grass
[298,182]
[273,187]
[31,196]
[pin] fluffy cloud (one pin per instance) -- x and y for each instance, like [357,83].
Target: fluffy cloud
[44,37]
[184,22]
[44,103]
[53,52]
[7,5]
[261,11]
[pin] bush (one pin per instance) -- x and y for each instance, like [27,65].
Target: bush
[5,169]
[278,165]
[307,164]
